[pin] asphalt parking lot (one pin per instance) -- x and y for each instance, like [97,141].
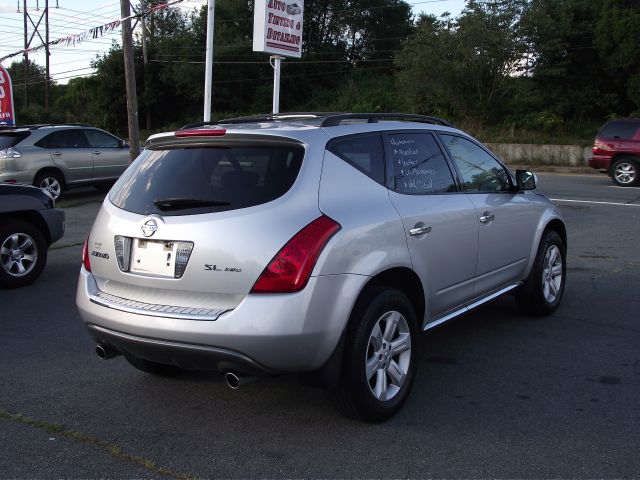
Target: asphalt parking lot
[497,394]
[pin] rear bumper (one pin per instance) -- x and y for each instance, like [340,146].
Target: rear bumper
[270,333]
[600,162]
[21,176]
[186,356]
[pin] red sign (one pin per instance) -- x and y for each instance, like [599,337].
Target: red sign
[7,115]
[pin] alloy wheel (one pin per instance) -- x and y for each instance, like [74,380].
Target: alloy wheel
[52,185]
[552,274]
[18,254]
[388,355]
[625,173]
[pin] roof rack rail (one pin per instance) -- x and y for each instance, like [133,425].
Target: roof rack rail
[270,117]
[335,120]
[40,125]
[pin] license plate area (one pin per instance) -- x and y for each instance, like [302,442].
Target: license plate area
[153,257]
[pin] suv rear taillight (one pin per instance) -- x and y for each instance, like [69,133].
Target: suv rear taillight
[290,269]
[10,153]
[85,255]
[600,146]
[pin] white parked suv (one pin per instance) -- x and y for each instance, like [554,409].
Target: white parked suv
[312,243]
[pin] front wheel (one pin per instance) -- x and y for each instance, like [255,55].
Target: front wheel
[380,358]
[23,253]
[624,172]
[542,290]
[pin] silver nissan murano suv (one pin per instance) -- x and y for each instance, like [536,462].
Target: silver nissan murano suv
[312,243]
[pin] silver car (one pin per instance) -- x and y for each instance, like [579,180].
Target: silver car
[310,243]
[57,157]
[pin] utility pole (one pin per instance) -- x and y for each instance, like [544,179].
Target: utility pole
[208,74]
[46,53]
[130,80]
[26,55]
[27,43]
[145,60]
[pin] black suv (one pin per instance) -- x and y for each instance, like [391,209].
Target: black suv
[29,224]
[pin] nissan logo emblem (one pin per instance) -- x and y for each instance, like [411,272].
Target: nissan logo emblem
[149,227]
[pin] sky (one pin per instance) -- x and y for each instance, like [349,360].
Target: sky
[71,17]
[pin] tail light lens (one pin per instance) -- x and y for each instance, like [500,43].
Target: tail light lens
[10,153]
[290,269]
[123,252]
[85,255]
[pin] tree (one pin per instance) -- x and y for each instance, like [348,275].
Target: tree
[569,77]
[462,67]
[29,103]
[617,40]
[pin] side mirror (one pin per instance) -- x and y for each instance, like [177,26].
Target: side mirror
[123,144]
[525,179]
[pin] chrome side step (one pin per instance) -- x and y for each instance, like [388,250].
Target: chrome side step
[471,306]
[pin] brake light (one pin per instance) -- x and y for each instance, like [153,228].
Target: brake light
[85,255]
[10,153]
[201,132]
[290,269]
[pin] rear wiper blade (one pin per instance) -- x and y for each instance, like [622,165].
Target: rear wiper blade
[182,203]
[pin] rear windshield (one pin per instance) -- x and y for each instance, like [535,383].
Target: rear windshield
[189,181]
[10,139]
[621,129]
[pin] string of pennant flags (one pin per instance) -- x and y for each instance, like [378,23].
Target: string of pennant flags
[92,33]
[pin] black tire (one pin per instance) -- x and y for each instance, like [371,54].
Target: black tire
[541,293]
[625,172]
[152,367]
[51,181]
[23,253]
[355,396]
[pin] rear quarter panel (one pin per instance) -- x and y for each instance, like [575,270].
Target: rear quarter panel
[372,237]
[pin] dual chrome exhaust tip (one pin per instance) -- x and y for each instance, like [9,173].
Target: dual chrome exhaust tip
[234,380]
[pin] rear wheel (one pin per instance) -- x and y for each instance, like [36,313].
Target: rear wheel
[52,182]
[624,172]
[542,290]
[23,253]
[380,358]
[152,367]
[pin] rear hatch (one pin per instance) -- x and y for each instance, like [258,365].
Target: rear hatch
[194,223]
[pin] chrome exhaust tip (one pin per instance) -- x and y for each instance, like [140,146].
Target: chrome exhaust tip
[235,381]
[106,352]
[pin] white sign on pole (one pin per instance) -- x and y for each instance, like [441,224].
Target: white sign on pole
[277,27]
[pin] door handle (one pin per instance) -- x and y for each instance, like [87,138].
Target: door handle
[96,152]
[57,154]
[487,217]
[419,230]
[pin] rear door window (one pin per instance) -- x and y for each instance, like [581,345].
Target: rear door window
[65,139]
[187,181]
[417,164]
[620,129]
